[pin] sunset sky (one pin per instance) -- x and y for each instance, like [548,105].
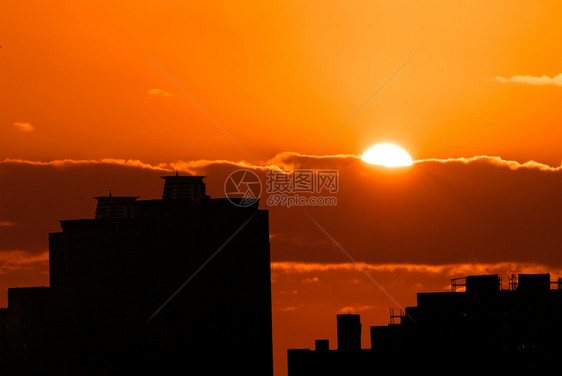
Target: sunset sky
[99,95]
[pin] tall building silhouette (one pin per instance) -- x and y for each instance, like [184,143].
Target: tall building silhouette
[349,332]
[180,285]
[477,327]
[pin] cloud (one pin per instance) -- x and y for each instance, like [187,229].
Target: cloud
[75,162]
[354,309]
[532,80]
[292,160]
[477,210]
[159,92]
[311,280]
[451,270]
[287,309]
[498,161]
[18,259]
[24,127]
[6,223]
[284,161]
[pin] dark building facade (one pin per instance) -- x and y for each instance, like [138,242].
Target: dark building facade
[478,327]
[349,332]
[180,285]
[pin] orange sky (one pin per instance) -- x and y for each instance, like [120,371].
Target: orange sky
[278,77]
[167,81]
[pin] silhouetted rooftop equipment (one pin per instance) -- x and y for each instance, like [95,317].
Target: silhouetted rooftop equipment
[396,315]
[116,207]
[477,284]
[457,282]
[532,282]
[184,187]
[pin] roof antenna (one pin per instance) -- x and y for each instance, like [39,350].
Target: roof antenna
[110,192]
[177,174]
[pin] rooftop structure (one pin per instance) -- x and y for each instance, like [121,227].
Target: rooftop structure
[184,187]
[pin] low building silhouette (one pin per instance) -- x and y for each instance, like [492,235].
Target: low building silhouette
[477,327]
[347,359]
[177,285]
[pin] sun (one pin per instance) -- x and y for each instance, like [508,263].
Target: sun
[388,155]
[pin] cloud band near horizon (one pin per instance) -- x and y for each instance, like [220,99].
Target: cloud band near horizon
[282,161]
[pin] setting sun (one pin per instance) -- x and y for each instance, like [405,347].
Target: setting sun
[388,155]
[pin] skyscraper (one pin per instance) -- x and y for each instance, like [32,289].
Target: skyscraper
[151,286]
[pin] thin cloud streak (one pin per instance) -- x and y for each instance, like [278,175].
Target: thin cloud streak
[69,162]
[531,80]
[447,269]
[497,161]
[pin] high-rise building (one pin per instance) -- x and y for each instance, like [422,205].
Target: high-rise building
[151,286]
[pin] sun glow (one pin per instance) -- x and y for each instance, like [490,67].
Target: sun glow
[388,155]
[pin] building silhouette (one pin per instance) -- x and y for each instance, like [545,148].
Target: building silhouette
[349,332]
[478,327]
[180,285]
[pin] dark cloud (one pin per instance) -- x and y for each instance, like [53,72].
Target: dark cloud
[480,210]
[436,212]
